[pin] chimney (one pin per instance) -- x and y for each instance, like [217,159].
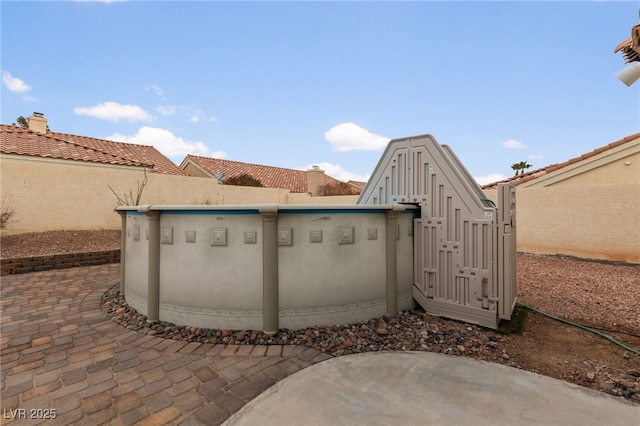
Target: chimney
[37,123]
[315,179]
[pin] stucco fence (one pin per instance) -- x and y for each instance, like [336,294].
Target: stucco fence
[587,221]
[49,194]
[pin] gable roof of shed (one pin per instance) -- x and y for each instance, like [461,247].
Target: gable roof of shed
[22,141]
[269,176]
[526,177]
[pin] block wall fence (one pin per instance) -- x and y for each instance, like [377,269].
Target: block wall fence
[50,195]
[586,219]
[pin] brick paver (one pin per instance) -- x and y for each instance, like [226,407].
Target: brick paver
[61,356]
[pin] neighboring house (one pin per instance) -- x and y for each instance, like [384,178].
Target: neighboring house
[588,206]
[36,141]
[615,163]
[59,181]
[295,181]
[357,185]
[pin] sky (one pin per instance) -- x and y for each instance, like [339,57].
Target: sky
[295,84]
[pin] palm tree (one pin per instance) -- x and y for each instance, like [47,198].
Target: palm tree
[516,167]
[520,167]
[523,166]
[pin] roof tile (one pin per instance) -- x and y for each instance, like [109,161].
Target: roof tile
[517,180]
[269,176]
[22,141]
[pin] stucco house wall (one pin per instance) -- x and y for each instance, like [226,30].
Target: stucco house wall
[192,170]
[588,207]
[616,165]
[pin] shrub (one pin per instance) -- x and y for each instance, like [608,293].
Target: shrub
[7,215]
[340,188]
[243,180]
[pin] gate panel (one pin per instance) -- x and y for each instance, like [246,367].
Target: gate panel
[507,250]
[460,236]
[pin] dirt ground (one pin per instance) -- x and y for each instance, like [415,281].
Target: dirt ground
[602,295]
[554,349]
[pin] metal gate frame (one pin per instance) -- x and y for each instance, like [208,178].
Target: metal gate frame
[464,246]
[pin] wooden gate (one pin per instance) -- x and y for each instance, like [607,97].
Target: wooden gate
[464,246]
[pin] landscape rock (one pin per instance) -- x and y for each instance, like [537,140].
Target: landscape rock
[407,331]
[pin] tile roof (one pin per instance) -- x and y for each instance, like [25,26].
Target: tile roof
[517,180]
[269,176]
[357,185]
[22,141]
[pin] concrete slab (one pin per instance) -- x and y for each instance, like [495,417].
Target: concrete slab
[424,388]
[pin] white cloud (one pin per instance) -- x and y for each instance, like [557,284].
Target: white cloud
[351,137]
[537,156]
[14,84]
[495,177]
[114,111]
[193,115]
[166,110]
[514,144]
[158,91]
[197,115]
[167,143]
[338,172]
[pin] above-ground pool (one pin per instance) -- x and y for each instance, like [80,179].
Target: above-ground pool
[264,267]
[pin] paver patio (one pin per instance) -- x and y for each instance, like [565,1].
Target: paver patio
[62,357]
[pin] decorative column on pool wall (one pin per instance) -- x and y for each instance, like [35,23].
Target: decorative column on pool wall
[123,247]
[270,268]
[392,257]
[153,307]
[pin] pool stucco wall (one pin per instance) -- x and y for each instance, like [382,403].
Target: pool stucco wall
[331,264]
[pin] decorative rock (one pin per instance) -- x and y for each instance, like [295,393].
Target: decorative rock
[408,331]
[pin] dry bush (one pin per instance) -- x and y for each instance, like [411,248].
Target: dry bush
[7,215]
[243,180]
[129,199]
[341,188]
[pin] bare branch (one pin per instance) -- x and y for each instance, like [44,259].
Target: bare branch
[129,199]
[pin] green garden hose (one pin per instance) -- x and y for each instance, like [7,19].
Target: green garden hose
[609,338]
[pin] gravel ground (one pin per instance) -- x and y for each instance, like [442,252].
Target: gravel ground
[410,330]
[597,294]
[58,242]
